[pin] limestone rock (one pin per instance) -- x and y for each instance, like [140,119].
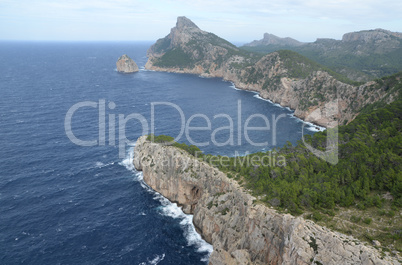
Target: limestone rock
[240,231]
[126,65]
[376,243]
[316,97]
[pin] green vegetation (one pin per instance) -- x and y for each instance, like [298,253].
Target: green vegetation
[342,57]
[370,164]
[194,51]
[300,66]
[370,150]
[175,58]
[350,196]
[392,85]
[168,140]
[162,45]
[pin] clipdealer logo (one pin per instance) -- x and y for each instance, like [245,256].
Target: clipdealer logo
[107,127]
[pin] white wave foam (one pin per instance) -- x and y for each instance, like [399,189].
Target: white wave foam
[99,164]
[234,87]
[172,210]
[267,100]
[154,261]
[270,101]
[128,160]
[313,127]
[193,238]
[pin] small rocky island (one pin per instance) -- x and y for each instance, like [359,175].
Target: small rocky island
[126,65]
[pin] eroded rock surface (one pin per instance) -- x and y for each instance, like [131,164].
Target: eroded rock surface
[241,231]
[126,65]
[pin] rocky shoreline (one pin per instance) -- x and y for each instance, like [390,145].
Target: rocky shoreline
[241,230]
[316,96]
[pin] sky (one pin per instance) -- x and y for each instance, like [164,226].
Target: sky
[234,20]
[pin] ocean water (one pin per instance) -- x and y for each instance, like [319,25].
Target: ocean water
[62,203]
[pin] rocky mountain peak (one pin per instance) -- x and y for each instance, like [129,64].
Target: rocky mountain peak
[183,22]
[370,35]
[271,39]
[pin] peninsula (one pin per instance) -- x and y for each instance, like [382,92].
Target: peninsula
[241,230]
[316,93]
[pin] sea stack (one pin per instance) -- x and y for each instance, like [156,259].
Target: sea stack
[126,65]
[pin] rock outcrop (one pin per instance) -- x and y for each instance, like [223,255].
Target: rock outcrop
[283,77]
[241,231]
[371,36]
[126,65]
[361,56]
[271,39]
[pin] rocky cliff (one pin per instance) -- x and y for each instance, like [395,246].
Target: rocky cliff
[126,65]
[241,231]
[284,77]
[361,56]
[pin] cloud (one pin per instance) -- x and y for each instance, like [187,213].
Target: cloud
[106,19]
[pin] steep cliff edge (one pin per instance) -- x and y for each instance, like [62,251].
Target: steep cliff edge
[284,77]
[241,231]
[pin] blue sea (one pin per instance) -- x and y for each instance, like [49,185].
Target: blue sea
[63,203]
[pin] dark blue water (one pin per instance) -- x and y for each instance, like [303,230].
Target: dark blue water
[61,203]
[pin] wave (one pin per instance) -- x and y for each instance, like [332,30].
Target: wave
[234,87]
[99,164]
[172,210]
[313,127]
[154,261]
[193,238]
[270,101]
[127,162]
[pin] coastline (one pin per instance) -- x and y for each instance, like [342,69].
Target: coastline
[241,230]
[172,209]
[258,93]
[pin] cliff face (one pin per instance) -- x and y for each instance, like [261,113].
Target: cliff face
[283,77]
[126,65]
[240,231]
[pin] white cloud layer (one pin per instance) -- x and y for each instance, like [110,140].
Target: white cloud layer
[235,20]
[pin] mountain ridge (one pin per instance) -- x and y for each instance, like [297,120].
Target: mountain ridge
[315,93]
[361,56]
[271,39]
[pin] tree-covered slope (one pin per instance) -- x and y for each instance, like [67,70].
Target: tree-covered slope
[316,93]
[360,56]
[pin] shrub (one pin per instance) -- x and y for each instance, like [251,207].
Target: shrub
[367,220]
